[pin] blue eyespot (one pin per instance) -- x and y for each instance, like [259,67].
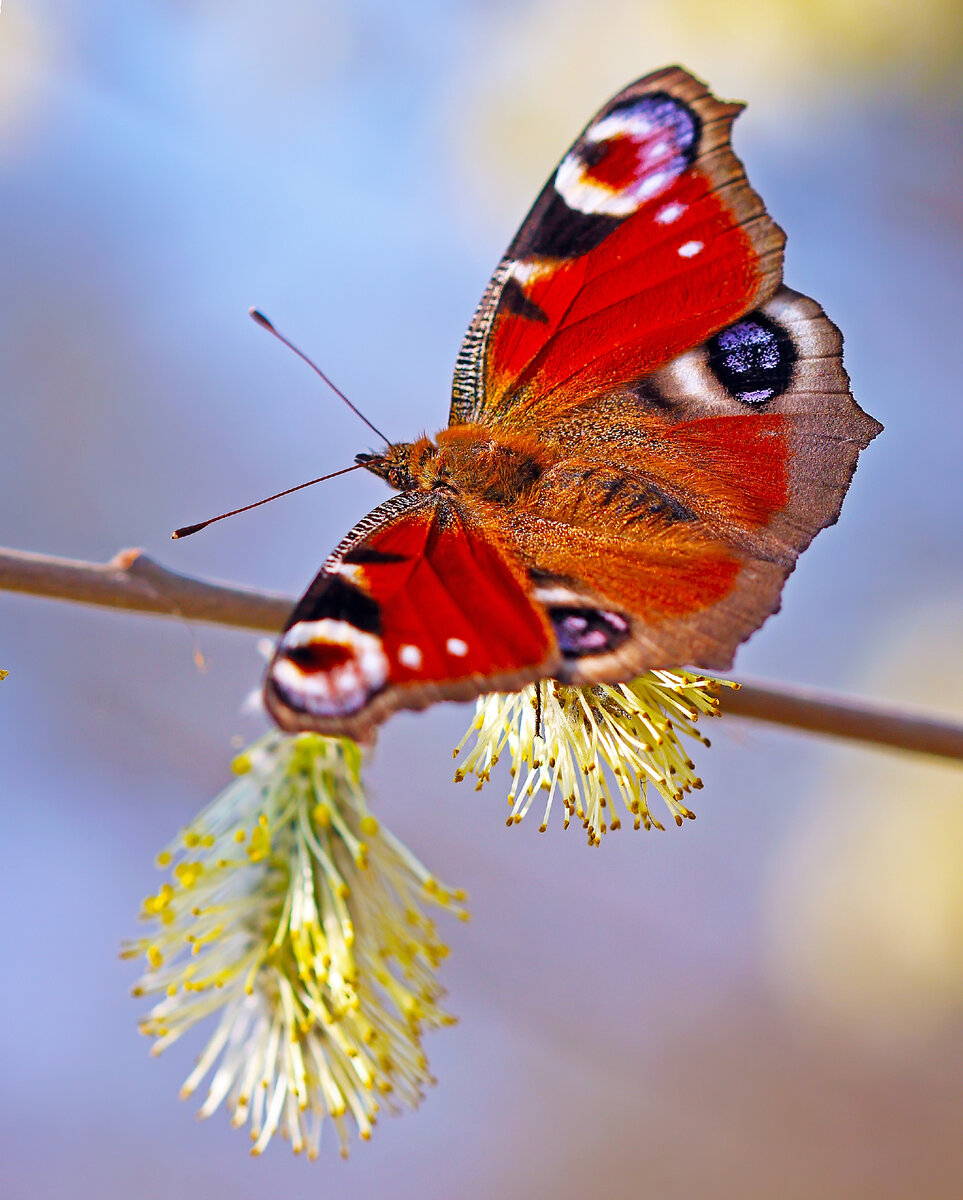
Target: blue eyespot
[753,359]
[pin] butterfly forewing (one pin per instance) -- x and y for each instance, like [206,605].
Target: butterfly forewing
[646,240]
[416,605]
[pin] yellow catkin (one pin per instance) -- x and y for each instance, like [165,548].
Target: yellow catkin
[585,748]
[294,915]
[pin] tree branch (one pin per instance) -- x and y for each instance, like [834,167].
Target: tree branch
[135,582]
[846,717]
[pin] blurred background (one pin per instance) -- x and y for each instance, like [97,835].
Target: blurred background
[766,1002]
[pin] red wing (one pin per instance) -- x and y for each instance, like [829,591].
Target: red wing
[416,605]
[646,240]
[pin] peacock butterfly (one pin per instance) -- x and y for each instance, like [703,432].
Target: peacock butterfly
[646,430]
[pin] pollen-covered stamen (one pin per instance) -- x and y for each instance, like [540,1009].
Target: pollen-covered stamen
[589,736]
[298,918]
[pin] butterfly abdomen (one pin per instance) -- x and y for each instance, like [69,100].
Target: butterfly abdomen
[607,495]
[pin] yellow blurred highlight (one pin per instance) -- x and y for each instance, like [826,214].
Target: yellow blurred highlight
[544,70]
[864,909]
[28,55]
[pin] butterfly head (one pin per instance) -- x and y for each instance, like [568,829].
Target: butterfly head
[406,466]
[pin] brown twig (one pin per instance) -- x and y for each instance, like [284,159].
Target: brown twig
[845,717]
[135,582]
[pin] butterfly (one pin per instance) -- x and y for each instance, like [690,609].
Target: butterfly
[646,430]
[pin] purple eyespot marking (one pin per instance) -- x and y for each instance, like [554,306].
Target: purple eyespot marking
[584,631]
[666,116]
[753,359]
[626,158]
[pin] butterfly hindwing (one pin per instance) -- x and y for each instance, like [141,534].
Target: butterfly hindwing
[645,241]
[778,369]
[416,605]
[679,507]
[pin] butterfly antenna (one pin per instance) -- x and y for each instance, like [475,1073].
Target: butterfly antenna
[187,530]
[262,320]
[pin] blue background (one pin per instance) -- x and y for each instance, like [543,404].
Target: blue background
[766,1002]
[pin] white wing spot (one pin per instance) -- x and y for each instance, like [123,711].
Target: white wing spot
[410,656]
[456,647]
[527,270]
[350,571]
[690,249]
[671,212]
[651,184]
